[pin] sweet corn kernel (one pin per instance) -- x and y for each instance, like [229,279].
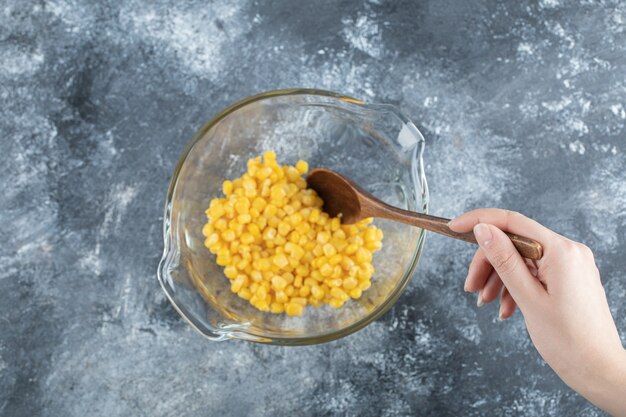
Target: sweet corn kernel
[302,166]
[329,250]
[279,283]
[356,293]
[280,260]
[294,309]
[278,249]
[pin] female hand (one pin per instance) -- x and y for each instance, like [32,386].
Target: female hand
[560,296]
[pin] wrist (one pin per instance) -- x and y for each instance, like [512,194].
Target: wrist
[605,387]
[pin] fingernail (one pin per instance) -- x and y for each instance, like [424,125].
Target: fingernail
[479,301]
[500,315]
[451,222]
[483,234]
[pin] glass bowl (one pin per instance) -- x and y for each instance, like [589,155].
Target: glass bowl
[374,144]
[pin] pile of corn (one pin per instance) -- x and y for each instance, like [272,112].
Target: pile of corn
[280,251]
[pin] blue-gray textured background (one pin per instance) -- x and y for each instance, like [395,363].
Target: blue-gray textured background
[523,105]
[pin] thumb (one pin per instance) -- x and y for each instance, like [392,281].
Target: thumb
[508,263]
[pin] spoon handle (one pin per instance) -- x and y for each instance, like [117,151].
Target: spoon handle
[528,248]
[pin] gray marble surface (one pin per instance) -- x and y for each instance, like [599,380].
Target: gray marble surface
[523,105]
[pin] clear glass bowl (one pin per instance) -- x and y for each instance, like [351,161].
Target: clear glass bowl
[376,145]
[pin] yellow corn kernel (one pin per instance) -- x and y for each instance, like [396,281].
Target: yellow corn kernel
[329,250]
[326,270]
[254,230]
[289,278]
[305,290]
[256,276]
[294,309]
[350,283]
[314,216]
[373,246]
[261,222]
[364,285]
[279,283]
[339,234]
[244,218]
[261,292]
[370,234]
[302,166]
[347,263]
[338,293]
[351,249]
[299,300]
[263,264]
[335,303]
[308,201]
[270,210]
[269,157]
[323,237]
[363,255]
[238,283]
[334,282]
[297,253]
[292,174]
[304,228]
[211,240]
[317,292]
[283,228]
[278,193]
[230,272]
[295,219]
[297,281]
[273,222]
[280,260]
[269,233]
[227,188]
[281,297]
[337,272]
[246,238]
[228,235]
[242,206]
[365,271]
[355,293]
[335,259]
[302,270]
[277,308]
[245,293]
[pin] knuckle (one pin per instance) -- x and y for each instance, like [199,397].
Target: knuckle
[512,218]
[577,249]
[567,246]
[504,262]
[584,250]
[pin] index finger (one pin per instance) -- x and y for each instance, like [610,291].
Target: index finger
[506,220]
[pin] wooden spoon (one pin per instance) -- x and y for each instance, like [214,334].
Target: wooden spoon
[345,198]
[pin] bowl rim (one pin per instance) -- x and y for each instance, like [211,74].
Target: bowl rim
[234,331]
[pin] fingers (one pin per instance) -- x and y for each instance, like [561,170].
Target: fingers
[507,305]
[506,220]
[492,288]
[478,272]
[525,289]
